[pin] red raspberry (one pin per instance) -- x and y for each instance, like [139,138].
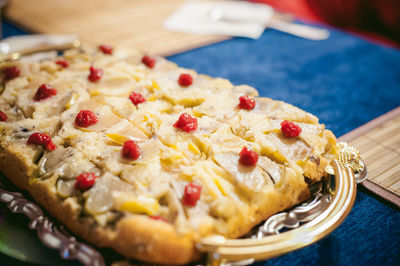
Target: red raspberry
[290,129]
[3,116]
[62,63]
[85,118]
[85,181]
[11,72]
[156,217]
[130,150]
[186,122]
[106,49]
[149,61]
[246,102]
[248,157]
[136,98]
[185,80]
[192,194]
[95,74]
[43,140]
[44,91]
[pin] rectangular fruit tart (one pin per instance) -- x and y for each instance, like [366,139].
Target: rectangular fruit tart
[132,152]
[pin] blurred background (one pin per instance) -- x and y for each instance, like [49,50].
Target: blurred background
[377,20]
[139,23]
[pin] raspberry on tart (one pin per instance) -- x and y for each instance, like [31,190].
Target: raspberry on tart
[186,122]
[85,118]
[95,74]
[192,194]
[130,150]
[62,63]
[136,98]
[290,129]
[42,139]
[85,181]
[11,73]
[3,116]
[185,80]
[248,157]
[149,61]
[106,49]
[246,102]
[44,91]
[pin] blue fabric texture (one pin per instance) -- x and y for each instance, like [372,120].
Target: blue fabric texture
[9,30]
[346,82]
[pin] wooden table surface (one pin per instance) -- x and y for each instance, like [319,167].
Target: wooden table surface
[130,23]
[379,145]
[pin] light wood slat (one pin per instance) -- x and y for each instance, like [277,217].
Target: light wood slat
[388,136]
[367,143]
[396,187]
[389,177]
[379,144]
[131,23]
[377,166]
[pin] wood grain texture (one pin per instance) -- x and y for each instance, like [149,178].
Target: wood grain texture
[379,144]
[136,24]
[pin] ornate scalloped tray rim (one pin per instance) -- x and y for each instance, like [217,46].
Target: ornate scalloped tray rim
[322,215]
[309,222]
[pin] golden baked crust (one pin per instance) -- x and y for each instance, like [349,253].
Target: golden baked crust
[118,211]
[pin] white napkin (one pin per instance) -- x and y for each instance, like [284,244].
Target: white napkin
[231,18]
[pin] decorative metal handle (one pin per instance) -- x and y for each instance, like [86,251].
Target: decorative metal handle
[295,217]
[324,216]
[50,235]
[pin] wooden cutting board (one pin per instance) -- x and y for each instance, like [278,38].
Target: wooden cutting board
[131,23]
[379,145]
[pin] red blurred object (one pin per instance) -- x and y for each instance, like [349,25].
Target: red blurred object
[85,181]
[62,63]
[248,157]
[136,98]
[106,49]
[192,194]
[148,61]
[290,129]
[85,118]
[44,91]
[246,102]
[43,140]
[186,122]
[11,72]
[130,150]
[378,21]
[185,80]
[3,116]
[95,74]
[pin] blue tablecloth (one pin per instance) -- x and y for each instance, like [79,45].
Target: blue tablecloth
[346,82]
